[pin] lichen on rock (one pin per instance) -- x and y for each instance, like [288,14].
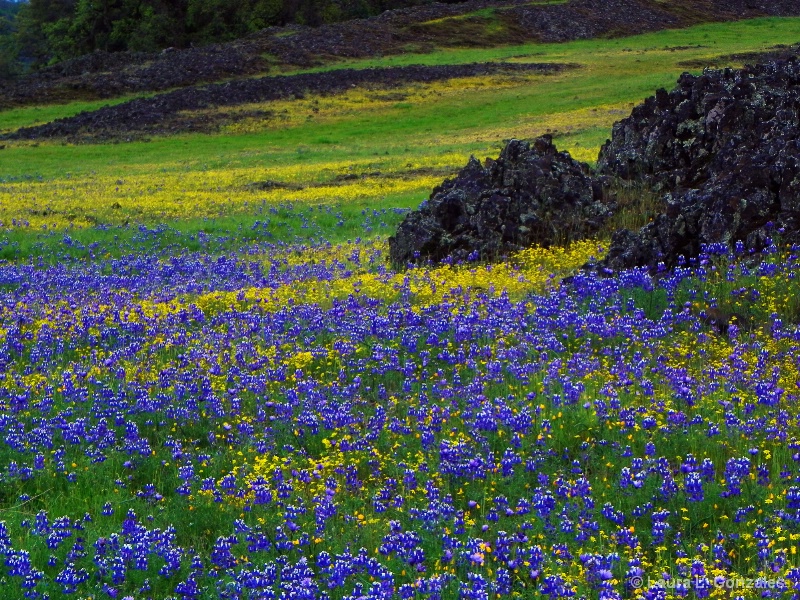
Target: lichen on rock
[724,149]
[531,195]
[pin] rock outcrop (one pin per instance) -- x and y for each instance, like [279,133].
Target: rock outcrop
[724,149]
[532,194]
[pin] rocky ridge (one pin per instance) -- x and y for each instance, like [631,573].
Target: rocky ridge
[171,112]
[722,149]
[104,75]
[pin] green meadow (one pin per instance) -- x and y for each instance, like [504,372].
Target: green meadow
[364,149]
[368,149]
[618,72]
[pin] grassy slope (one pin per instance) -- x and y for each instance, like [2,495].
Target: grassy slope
[430,130]
[28,116]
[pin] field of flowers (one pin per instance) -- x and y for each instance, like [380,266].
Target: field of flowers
[302,422]
[213,384]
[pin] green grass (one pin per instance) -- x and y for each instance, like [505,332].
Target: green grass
[28,116]
[652,49]
[285,224]
[619,70]
[432,127]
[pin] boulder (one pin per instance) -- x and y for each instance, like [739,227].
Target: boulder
[723,149]
[531,195]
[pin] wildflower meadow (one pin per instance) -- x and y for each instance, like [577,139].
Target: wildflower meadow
[313,425]
[213,385]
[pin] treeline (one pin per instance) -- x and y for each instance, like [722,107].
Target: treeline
[9,54]
[41,32]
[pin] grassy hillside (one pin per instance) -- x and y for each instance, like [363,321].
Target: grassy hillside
[365,148]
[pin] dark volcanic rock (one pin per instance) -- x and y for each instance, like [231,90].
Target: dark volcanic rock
[723,147]
[551,23]
[532,194]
